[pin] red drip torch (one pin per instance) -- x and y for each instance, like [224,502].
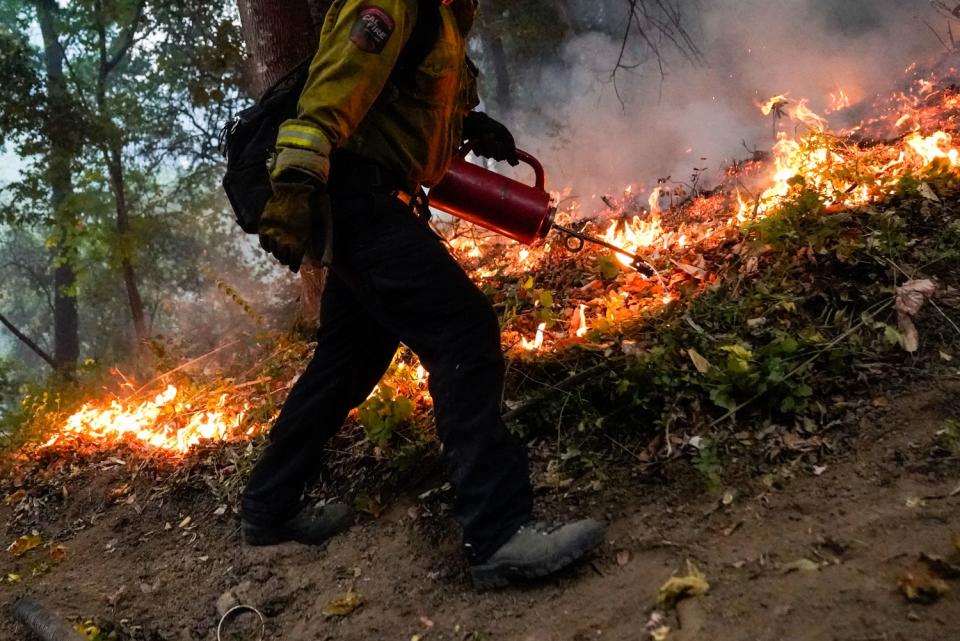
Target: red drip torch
[510,208]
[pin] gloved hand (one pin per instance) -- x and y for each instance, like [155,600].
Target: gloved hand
[489,138]
[292,219]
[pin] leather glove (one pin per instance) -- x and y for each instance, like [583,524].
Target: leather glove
[489,138]
[293,218]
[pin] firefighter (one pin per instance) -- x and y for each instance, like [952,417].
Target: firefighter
[389,97]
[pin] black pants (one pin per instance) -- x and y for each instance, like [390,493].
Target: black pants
[394,281]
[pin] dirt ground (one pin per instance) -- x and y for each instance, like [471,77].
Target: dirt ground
[857,523]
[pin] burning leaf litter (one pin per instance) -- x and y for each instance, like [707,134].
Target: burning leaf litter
[674,227]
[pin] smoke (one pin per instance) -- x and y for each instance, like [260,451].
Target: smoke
[597,135]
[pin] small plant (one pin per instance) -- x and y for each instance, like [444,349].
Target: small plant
[381,415]
[707,462]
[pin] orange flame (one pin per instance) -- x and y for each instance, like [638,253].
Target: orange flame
[537,342]
[160,423]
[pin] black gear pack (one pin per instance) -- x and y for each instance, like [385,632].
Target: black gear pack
[247,141]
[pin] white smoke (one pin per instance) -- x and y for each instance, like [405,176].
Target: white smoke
[596,141]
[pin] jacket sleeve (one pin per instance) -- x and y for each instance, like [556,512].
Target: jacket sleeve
[360,44]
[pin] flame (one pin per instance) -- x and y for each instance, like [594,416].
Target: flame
[846,168]
[939,146]
[160,423]
[838,101]
[770,105]
[537,342]
[583,329]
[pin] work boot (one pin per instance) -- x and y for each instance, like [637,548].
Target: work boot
[311,526]
[537,551]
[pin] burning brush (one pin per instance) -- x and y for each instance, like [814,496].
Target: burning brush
[856,166]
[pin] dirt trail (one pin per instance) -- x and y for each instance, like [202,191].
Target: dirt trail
[865,518]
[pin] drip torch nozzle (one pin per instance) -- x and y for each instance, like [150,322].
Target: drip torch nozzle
[578,239]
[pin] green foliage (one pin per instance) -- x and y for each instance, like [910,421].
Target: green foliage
[707,462]
[384,412]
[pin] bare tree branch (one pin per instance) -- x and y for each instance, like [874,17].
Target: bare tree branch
[29,343]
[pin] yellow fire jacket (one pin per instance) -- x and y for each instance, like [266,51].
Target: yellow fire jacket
[352,99]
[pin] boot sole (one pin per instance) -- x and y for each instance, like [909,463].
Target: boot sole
[500,575]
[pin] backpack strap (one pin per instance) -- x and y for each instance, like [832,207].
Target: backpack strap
[421,43]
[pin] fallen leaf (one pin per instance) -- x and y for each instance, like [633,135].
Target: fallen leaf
[13,578]
[702,364]
[220,511]
[370,505]
[25,543]
[911,297]
[680,587]
[800,565]
[660,634]
[58,553]
[914,502]
[426,622]
[16,497]
[87,630]
[344,606]
[921,586]
[624,557]
[696,272]
[40,569]
[185,522]
[728,497]
[927,192]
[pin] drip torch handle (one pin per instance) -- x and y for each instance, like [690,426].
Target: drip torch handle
[524,157]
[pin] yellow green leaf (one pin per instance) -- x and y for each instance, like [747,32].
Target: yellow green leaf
[681,587]
[25,543]
[344,606]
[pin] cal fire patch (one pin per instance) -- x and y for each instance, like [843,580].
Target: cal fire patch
[372,30]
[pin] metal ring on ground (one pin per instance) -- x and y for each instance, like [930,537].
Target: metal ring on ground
[574,245]
[243,608]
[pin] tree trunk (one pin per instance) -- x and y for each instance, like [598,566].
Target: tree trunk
[278,34]
[117,183]
[61,152]
[502,96]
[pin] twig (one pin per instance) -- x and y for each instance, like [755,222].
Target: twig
[185,365]
[560,387]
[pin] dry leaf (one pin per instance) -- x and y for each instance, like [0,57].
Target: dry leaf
[702,364]
[16,497]
[370,505]
[58,553]
[660,634]
[800,565]
[696,272]
[927,192]
[185,522]
[624,557]
[911,297]
[921,586]
[344,606]
[13,578]
[25,543]
[681,587]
